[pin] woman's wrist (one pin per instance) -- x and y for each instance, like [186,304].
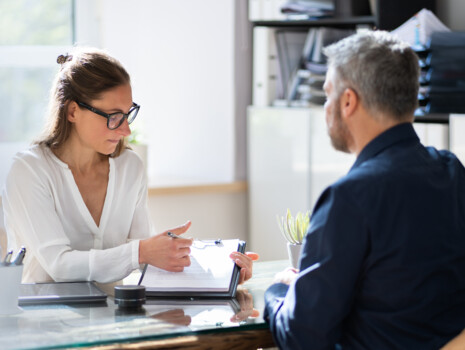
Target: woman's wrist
[141,251]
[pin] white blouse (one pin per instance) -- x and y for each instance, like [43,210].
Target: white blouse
[45,212]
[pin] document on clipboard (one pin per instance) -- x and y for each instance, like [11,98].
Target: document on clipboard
[212,273]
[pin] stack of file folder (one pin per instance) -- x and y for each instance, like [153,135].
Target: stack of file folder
[419,31]
[424,55]
[308,9]
[302,76]
[447,73]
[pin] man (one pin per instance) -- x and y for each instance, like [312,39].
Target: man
[383,263]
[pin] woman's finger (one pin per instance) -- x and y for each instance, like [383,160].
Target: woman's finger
[252,255]
[181,229]
[242,276]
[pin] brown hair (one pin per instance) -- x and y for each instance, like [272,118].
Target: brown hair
[84,75]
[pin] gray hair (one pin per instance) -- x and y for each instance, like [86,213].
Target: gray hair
[381,69]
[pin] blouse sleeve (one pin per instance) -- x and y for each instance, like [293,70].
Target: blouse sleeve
[30,215]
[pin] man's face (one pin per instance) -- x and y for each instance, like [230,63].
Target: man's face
[337,130]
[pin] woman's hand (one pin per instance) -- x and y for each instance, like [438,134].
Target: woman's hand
[245,262]
[165,252]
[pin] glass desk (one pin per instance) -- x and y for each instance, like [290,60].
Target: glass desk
[236,323]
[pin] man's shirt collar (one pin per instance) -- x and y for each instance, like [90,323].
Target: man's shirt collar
[388,138]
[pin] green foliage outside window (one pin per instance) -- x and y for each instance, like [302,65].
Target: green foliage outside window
[32,34]
[36,22]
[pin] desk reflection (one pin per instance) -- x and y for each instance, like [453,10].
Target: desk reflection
[203,313]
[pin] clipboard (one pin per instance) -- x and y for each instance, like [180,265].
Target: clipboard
[212,274]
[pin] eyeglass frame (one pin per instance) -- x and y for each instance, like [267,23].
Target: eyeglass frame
[134,106]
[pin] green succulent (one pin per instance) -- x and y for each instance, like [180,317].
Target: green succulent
[294,228]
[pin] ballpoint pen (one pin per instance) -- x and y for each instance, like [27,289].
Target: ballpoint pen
[172,235]
[198,243]
[7,259]
[19,257]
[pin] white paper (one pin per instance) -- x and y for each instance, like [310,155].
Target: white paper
[210,270]
[418,29]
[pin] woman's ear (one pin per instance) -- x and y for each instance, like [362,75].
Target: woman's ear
[348,102]
[72,111]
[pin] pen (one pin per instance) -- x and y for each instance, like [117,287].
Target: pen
[7,259]
[215,242]
[172,235]
[142,274]
[19,257]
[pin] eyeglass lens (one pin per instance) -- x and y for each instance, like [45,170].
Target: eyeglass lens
[117,119]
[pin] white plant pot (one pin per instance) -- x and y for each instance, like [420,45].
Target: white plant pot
[294,254]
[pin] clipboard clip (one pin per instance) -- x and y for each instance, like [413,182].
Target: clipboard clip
[203,244]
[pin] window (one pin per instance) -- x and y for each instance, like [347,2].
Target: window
[32,34]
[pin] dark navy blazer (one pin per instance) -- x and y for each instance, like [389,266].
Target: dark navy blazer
[383,263]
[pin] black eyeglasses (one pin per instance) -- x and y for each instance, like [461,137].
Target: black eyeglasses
[114,120]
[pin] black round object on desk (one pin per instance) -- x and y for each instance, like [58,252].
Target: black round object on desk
[130,296]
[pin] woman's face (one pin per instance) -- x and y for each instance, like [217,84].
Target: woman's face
[91,128]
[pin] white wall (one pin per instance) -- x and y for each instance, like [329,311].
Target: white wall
[180,56]
[213,215]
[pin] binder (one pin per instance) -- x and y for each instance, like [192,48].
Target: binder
[255,10]
[309,43]
[264,66]
[290,46]
[212,273]
[268,10]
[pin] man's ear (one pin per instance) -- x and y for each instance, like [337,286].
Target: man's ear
[72,110]
[348,102]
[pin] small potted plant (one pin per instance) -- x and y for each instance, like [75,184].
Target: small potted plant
[294,230]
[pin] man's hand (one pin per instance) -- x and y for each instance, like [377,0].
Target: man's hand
[286,276]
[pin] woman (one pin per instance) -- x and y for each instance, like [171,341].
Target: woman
[77,199]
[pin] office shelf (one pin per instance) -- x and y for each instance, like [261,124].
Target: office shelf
[339,22]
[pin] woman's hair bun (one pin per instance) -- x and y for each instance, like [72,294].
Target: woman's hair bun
[63,59]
